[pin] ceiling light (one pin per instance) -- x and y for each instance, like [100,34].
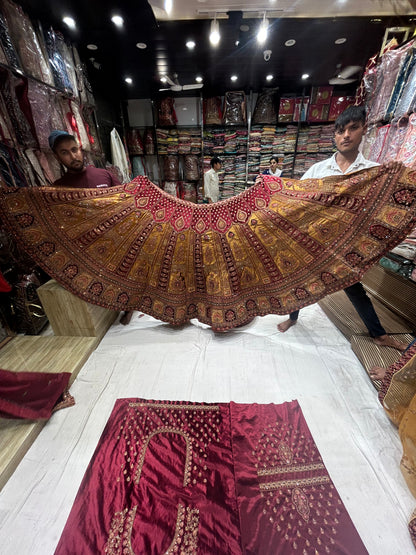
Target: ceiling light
[70,22]
[269,77]
[163,79]
[214,37]
[117,20]
[141,45]
[237,42]
[290,42]
[92,47]
[262,32]
[244,28]
[305,76]
[168,6]
[198,79]
[340,40]
[128,80]
[190,44]
[233,77]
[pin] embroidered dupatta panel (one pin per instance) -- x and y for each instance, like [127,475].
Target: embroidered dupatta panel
[278,246]
[188,478]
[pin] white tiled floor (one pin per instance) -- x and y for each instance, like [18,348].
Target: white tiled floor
[312,362]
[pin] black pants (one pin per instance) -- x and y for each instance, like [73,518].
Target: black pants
[363,305]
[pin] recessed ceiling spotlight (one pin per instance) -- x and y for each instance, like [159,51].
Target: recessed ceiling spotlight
[128,80]
[305,76]
[269,77]
[70,22]
[141,45]
[290,42]
[190,44]
[375,20]
[92,47]
[244,28]
[117,20]
[233,77]
[163,79]
[237,42]
[340,40]
[198,79]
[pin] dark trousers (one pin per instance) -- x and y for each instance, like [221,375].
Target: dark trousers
[363,305]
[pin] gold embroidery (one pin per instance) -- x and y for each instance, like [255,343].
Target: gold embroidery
[175,407]
[185,540]
[188,459]
[295,483]
[119,537]
[287,469]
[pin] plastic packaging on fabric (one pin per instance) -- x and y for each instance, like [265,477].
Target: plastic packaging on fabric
[212,111]
[368,141]
[149,142]
[6,128]
[82,132]
[22,129]
[191,167]
[66,52]
[401,83]
[171,188]
[188,191]
[387,72]
[407,152]
[91,128]
[265,110]
[235,108]
[166,112]
[83,84]
[56,61]
[394,140]
[7,45]
[36,168]
[138,166]
[171,168]
[378,143]
[135,143]
[407,100]
[119,157]
[42,110]
[26,42]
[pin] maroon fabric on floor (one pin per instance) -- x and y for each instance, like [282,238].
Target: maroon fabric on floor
[178,477]
[30,395]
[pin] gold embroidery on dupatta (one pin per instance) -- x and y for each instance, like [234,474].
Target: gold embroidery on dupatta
[185,540]
[119,537]
[291,468]
[176,407]
[317,480]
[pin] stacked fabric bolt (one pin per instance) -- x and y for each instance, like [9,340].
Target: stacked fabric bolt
[253,167]
[184,141]
[255,139]
[173,142]
[162,138]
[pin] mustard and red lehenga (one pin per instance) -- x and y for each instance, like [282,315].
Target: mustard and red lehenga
[278,246]
[398,397]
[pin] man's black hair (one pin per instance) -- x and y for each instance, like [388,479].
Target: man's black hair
[274,158]
[352,113]
[61,139]
[215,160]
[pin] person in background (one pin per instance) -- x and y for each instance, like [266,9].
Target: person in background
[69,154]
[350,128]
[212,182]
[273,169]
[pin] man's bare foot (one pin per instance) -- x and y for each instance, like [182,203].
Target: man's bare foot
[387,341]
[284,326]
[126,317]
[377,372]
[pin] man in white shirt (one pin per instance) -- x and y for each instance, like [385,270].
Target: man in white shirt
[212,182]
[349,130]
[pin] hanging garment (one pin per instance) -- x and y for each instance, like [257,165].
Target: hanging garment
[235,108]
[394,140]
[118,155]
[407,152]
[407,100]
[378,143]
[56,61]
[26,42]
[275,248]
[212,111]
[7,45]
[265,110]
[401,84]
